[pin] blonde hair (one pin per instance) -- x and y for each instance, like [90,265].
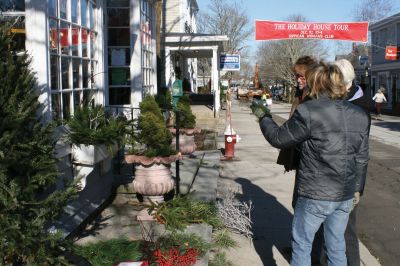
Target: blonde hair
[324,78]
[347,70]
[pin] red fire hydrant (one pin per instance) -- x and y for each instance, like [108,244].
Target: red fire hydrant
[231,138]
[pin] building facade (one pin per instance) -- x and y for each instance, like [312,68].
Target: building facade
[105,52]
[100,51]
[386,73]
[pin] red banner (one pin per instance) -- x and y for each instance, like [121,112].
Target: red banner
[391,53]
[277,30]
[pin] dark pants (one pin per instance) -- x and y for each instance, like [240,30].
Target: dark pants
[352,246]
[378,107]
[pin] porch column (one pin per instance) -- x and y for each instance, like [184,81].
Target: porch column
[36,40]
[168,82]
[137,91]
[215,81]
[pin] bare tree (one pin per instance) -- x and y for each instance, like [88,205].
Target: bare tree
[276,58]
[229,18]
[226,18]
[372,10]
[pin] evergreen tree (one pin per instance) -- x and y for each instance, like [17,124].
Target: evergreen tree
[27,167]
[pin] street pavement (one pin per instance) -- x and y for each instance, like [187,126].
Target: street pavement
[256,176]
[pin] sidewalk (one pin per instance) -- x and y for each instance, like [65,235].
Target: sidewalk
[259,179]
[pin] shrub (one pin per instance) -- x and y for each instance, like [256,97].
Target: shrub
[154,135]
[149,104]
[186,119]
[28,169]
[152,131]
[94,126]
[164,100]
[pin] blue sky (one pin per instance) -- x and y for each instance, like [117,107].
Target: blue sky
[313,10]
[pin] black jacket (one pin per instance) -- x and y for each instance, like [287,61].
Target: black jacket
[356,96]
[333,138]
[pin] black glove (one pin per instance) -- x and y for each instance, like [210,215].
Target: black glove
[260,111]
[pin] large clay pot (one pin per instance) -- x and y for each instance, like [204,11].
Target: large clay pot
[153,179]
[186,144]
[186,140]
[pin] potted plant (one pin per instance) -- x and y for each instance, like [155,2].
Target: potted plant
[150,150]
[94,134]
[186,123]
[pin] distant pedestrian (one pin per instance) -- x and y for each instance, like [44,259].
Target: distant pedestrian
[379,99]
[264,97]
[333,135]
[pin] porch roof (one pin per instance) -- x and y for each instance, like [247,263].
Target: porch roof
[195,45]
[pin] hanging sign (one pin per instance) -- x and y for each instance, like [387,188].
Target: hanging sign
[391,53]
[229,62]
[276,30]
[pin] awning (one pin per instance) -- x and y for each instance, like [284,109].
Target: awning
[194,45]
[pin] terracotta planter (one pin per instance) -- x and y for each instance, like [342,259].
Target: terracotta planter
[153,179]
[186,139]
[152,182]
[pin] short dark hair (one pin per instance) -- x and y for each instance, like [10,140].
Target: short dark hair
[303,63]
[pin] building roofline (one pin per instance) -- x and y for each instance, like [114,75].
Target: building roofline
[196,37]
[383,22]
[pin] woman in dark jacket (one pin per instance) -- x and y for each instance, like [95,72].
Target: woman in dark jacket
[356,96]
[333,135]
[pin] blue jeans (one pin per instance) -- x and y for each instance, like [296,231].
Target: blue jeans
[308,217]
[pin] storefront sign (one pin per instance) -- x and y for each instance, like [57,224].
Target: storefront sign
[229,62]
[276,30]
[391,53]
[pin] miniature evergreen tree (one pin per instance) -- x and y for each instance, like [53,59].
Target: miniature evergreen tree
[153,132]
[27,167]
[187,119]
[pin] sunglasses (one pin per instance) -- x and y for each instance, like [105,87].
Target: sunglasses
[298,76]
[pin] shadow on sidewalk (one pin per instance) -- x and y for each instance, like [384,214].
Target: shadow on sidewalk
[392,126]
[271,223]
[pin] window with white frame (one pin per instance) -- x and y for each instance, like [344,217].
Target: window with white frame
[119,52]
[146,23]
[73,58]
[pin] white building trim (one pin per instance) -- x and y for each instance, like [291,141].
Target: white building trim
[196,46]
